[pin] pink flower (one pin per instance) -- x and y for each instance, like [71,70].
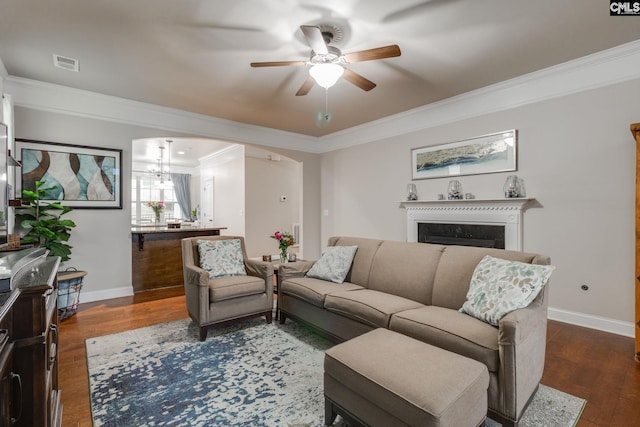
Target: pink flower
[284,239]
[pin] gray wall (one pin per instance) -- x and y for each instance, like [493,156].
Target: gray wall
[102,239]
[577,158]
[576,155]
[265,182]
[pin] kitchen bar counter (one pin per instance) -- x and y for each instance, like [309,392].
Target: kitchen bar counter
[156,254]
[140,233]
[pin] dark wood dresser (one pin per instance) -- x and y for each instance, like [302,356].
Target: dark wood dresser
[29,394]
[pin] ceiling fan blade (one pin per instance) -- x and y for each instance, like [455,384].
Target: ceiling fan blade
[277,63]
[358,80]
[306,86]
[370,54]
[315,39]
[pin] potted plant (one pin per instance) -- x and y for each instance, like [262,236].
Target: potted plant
[43,221]
[45,228]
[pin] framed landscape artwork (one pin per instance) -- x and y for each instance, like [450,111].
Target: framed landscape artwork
[80,176]
[491,153]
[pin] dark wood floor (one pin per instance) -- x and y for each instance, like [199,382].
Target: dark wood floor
[590,364]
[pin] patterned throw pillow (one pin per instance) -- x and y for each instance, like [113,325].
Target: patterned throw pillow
[221,258]
[499,287]
[334,264]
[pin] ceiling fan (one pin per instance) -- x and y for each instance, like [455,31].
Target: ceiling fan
[328,62]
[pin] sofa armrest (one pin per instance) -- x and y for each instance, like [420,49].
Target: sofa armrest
[294,269]
[520,325]
[522,339]
[196,291]
[258,268]
[195,276]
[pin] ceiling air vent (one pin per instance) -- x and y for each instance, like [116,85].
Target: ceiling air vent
[66,63]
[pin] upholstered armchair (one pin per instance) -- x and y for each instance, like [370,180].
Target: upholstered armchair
[221,284]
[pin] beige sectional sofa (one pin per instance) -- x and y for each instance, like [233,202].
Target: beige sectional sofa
[417,289]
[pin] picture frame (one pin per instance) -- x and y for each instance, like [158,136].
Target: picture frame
[495,152]
[83,177]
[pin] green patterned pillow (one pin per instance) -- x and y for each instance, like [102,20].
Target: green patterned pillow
[499,287]
[221,258]
[334,264]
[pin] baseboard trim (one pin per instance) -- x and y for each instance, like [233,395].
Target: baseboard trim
[613,326]
[124,291]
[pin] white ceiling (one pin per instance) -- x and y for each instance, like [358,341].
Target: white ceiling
[185,152]
[194,55]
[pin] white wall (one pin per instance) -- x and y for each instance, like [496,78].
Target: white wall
[577,158]
[228,171]
[266,182]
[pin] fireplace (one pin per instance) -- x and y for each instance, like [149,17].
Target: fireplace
[480,235]
[475,222]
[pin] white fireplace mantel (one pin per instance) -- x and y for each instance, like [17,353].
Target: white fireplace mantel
[506,212]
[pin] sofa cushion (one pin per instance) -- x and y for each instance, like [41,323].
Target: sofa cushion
[221,257]
[367,306]
[224,288]
[361,267]
[499,287]
[451,330]
[405,269]
[313,290]
[456,267]
[334,263]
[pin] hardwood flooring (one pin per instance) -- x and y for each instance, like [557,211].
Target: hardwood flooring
[104,318]
[594,365]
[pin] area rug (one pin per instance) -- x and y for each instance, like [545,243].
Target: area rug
[248,374]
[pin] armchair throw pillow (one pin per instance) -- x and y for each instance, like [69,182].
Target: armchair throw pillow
[221,258]
[499,287]
[334,264]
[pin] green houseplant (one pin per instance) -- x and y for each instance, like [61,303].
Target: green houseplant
[43,220]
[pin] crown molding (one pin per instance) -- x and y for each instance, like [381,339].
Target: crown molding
[3,71]
[616,65]
[54,98]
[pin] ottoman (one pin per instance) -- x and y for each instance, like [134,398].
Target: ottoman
[383,378]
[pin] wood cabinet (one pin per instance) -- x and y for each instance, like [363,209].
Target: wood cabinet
[29,394]
[635,131]
[156,255]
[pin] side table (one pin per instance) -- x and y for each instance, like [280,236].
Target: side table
[276,290]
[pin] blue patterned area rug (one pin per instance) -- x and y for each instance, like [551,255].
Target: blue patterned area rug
[248,374]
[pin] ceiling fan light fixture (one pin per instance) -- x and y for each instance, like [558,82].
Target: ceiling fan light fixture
[326,75]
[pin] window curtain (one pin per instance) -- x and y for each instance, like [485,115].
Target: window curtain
[182,188]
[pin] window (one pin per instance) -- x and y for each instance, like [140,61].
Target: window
[147,188]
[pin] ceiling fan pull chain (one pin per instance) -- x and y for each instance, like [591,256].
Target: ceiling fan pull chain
[326,117]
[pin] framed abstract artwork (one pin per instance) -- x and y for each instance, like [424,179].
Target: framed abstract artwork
[491,153]
[83,177]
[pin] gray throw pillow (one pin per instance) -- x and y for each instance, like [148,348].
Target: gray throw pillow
[334,264]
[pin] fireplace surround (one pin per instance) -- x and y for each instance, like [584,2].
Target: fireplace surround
[500,213]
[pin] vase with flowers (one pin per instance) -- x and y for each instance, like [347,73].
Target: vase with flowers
[284,241]
[157,207]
